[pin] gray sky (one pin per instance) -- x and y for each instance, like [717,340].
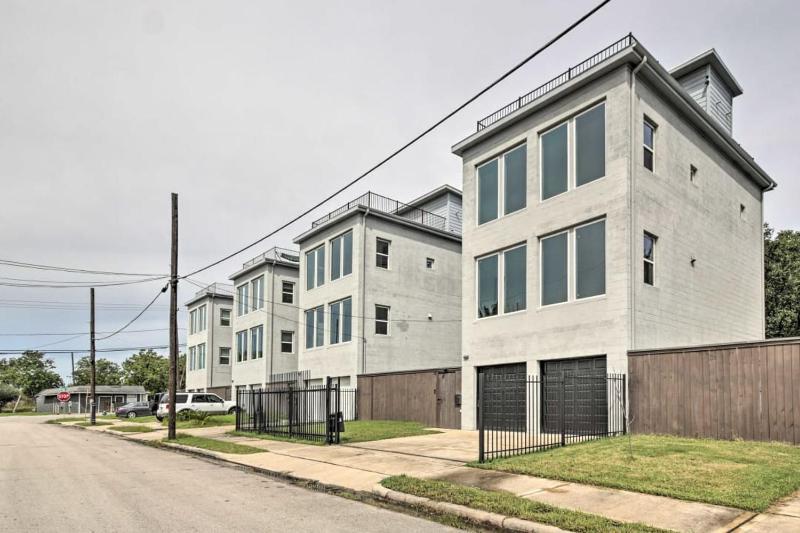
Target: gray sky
[252,111]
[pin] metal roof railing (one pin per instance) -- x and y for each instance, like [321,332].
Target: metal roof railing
[558,81]
[216,288]
[280,255]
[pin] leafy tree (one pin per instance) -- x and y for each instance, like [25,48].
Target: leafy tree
[29,372]
[7,394]
[106,372]
[782,282]
[148,369]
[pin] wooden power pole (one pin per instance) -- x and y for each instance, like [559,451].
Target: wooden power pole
[92,380]
[173,320]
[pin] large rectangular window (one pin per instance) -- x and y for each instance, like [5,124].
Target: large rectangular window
[341,321]
[649,145]
[649,256]
[515,179]
[514,279]
[315,327]
[555,269]
[315,267]
[382,253]
[257,293]
[241,346]
[287,292]
[487,286]
[242,292]
[257,342]
[590,145]
[590,260]
[192,321]
[503,178]
[342,256]
[555,177]
[287,341]
[487,191]
[381,320]
[201,356]
[192,357]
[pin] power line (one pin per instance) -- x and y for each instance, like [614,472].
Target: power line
[409,143]
[22,264]
[10,302]
[50,334]
[82,350]
[73,284]
[134,319]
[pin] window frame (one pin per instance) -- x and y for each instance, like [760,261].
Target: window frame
[192,357]
[284,283]
[315,326]
[257,301]
[379,254]
[259,352]
[430,263]
[222,312]
[500,159]
[201,356]
[652,149]
[291,341]
[241,347]
[385,321]
[243,298]
[501,280]
[220,356]
[651,261]
[202,318]
[313,282]
[341,239]
[575,229]
[572,154]
[193,321]
[340,326]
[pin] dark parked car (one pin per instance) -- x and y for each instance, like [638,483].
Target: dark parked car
[134,409]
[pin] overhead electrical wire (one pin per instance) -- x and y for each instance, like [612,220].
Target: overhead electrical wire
[50,334]
[408,144]
[134,319]
[22,264]
[64,351]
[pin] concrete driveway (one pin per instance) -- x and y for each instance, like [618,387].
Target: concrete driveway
[449,445]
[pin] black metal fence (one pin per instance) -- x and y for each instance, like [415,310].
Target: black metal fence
[316,413]
[524,414]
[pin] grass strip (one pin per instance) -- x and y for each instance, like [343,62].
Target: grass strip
[213,445]
[137,428]
[87,424]
[355,431]
[507,504]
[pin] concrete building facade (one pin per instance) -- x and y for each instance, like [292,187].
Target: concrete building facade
[611,212]
[265,319]
[208,341]
[380,287]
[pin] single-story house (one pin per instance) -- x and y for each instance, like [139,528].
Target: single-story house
[109,397]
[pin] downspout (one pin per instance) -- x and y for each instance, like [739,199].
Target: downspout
[272,328]
[210,347]
[631,207]
[363,291]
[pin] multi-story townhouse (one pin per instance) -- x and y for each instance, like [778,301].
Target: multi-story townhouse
[208,342]
[380,287]
[606,211]
[265,319]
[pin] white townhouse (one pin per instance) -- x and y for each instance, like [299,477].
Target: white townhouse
[208,341]
[609,210]
[265,319]
[380,287]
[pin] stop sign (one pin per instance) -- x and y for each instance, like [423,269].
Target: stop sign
[63,396]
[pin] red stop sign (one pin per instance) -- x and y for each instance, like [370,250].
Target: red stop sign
[63,396]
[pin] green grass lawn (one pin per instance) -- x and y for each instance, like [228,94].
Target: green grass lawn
[209,421]
[213,445]
[508,504]
[139,419]
[137,428]
[357,431]
[97,423]
[743,474]
[67,419]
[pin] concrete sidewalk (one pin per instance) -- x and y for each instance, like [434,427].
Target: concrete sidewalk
[361,466]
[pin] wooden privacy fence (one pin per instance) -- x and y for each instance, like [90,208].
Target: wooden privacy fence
[431,397]
[745,391]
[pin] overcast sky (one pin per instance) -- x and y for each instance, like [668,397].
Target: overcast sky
[252,111]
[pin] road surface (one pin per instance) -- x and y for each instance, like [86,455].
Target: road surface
[61,479]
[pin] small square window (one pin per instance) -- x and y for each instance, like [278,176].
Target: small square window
[429,262]
[224,356]
[287,341]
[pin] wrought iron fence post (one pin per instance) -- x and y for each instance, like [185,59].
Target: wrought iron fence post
[328,410]
[563,408]
[624,405]
[290,397]
[481,433]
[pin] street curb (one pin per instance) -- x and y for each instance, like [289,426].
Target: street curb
[473,515]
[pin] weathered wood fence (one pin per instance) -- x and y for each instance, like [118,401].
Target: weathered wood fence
[745,391]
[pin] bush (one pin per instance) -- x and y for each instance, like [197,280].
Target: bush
[8,394]
[197,416]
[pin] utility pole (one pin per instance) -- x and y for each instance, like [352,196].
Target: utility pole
[92,380]
[72,376]
[173,319]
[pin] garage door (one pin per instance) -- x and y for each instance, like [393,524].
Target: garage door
[503,396]
[582,383]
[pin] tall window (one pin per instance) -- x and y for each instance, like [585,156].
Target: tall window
[287,341]
[502,275]
[381,320]
[589,263]
[192,357]
[257,293]
[382,253]
[242,299]
[585,136]
[201,356]
[257,342]
[225,356]
[503,179]
[649,256]
[287,292]
[315,327]
[649,145]
[341,325]
[342,256]
[241,346]
[224,317]
[315,267]
[192,321]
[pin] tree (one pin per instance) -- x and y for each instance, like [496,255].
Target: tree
[106,372]
[148,369]
[782,282]
[7,394]
[29,372]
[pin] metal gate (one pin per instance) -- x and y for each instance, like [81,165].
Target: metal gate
[583,399]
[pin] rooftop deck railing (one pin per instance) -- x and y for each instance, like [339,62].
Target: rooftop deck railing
[376,202]
[558,81]
[216,288]
[283,255]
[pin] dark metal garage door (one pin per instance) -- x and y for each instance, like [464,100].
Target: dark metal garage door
[583,384]
[503,398]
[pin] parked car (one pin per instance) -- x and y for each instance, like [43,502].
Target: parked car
[196,401]
[134,409]
[154,400]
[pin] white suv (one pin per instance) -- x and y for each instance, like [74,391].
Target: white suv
[196,401]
